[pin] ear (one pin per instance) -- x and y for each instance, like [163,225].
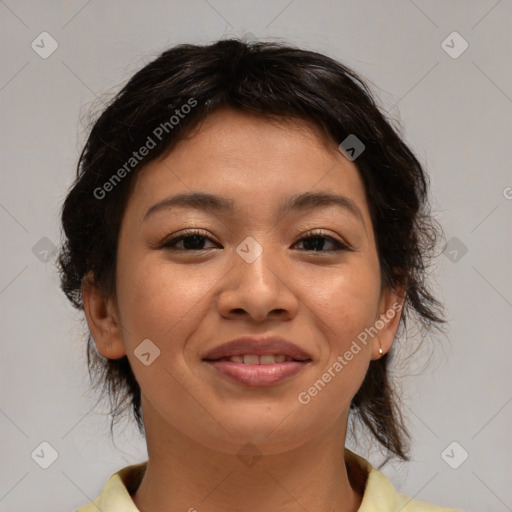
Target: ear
[102,320]
[390,312]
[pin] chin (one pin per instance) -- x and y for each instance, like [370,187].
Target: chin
[272,435]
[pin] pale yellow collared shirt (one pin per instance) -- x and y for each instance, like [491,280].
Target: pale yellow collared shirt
[379,493]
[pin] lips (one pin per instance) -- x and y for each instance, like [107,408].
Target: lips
[259,347]
[258,361]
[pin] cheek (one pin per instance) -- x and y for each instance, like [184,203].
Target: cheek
[347,302]
[159,301]
[164,305]
[347,308]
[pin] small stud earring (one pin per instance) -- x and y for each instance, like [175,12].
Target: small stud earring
[380,350]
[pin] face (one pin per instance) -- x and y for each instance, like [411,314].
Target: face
[308,274]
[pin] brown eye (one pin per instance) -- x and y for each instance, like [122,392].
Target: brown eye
[316,242]
[192,241]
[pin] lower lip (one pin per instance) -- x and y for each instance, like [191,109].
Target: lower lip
[258,374]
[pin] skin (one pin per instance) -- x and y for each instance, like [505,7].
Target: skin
[187,302]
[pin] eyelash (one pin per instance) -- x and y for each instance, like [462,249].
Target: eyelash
[169,244]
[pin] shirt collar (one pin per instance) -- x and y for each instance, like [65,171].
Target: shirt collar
[379,494]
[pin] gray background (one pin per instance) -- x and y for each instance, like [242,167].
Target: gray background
[456,116]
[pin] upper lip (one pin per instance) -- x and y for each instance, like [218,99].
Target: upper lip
[258,346]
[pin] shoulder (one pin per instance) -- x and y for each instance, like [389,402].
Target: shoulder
[116,495]
[380,495]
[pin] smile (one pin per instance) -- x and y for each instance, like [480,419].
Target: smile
[258,371]
[256,359]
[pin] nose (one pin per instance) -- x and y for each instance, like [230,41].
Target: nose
[259,290]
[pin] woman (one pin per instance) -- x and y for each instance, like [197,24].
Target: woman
[240,345]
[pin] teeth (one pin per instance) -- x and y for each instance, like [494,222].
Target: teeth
[251,359]
[271,359]
[255,359]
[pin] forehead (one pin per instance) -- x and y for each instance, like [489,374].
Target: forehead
[237,132]
[251,159]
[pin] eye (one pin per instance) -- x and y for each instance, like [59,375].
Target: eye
[317,240]
[193,240]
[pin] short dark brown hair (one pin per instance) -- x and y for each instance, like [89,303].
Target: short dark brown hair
[273,80]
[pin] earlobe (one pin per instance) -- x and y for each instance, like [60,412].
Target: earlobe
[102,320]
[389,319]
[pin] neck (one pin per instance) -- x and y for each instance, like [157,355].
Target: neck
[184,475]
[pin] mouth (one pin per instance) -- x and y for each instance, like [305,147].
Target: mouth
[253,359]
[258,363]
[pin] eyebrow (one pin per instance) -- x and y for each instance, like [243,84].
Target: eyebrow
[219,204]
